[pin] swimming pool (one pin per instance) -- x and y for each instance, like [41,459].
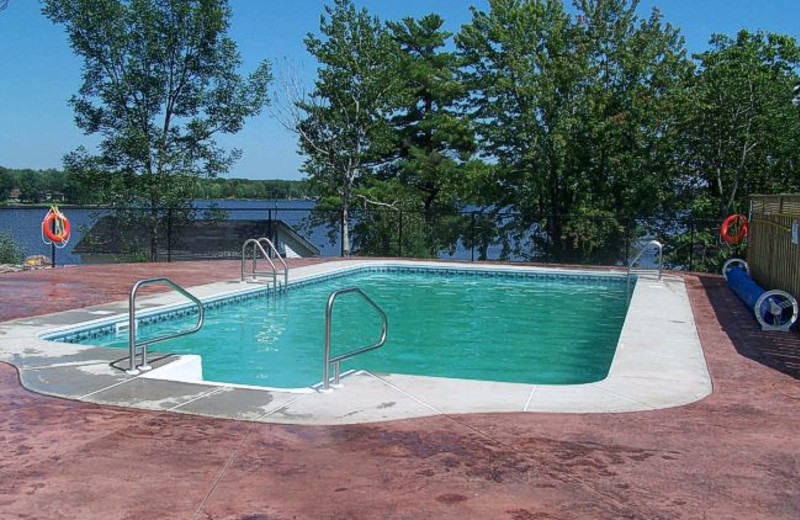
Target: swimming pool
[509,326]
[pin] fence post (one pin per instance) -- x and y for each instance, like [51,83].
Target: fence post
[341,232]
[691,244]
[169,235]
[627,239]
[270,227]
[472,241]
[400,241]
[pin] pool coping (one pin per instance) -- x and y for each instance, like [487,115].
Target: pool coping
[649,371]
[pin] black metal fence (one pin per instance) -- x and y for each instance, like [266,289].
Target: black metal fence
[209,231]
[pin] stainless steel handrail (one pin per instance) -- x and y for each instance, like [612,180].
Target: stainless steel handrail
[257,244]
[639,256]
[132,345]
[336,359]
[280,258]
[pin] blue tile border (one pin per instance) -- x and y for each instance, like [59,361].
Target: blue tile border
[91,333]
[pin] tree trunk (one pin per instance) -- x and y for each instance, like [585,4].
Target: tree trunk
[345,227]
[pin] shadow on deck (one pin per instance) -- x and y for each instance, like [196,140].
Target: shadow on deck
[776,350]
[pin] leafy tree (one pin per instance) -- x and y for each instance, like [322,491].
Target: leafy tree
[341,124]
[6,183]
[433,141]
[159,82]
[31,187]
[424,169]
[575,112]
[741,124]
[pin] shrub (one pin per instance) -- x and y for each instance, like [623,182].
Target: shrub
[10,252]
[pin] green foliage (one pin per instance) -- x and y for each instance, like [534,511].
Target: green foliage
[36,186]
[577,113]
[159,82]
[76,187]
[253,189]
[10,252]
[741,125]
[698,247]
[342,129]
[433,142]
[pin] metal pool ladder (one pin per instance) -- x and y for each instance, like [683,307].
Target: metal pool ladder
[639,256]
[341,357]
[133,345]
[258,247]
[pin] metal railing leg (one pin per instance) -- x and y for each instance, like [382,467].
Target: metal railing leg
[327,358]
[132,370]
[326,383]
[132,344]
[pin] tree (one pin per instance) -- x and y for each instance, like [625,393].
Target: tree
[160,81]
[6,183]
[741,123]
[341,124]
[31,186]
[574,111]
[433,141]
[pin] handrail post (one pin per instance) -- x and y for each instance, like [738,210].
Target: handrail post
[132,345]
[638,256]
[326,384]
[327,359]
[267,256]
[131,332]
[660,258]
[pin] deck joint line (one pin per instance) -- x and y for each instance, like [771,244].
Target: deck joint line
[410,396]
[208,393]
[119,383]
[223,470]
[618,396]
[65,365]
[530,398]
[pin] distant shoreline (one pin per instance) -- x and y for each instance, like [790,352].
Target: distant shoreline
[67,205]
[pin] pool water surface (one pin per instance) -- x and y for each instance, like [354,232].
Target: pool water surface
[523,329]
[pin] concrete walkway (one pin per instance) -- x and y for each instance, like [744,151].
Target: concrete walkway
[733,455]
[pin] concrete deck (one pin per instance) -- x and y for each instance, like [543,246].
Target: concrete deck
[649,371]
[732,455]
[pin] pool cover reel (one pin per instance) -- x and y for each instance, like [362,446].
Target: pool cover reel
[774,310]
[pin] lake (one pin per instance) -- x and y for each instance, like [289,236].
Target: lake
[24,223]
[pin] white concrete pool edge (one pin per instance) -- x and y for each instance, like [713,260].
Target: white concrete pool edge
[659,363]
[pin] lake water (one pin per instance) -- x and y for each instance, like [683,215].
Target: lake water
[24,224]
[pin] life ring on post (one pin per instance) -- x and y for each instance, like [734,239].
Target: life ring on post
[731,223]
[55,228]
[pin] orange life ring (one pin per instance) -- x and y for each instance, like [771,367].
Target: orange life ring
[55,226]
[736,239]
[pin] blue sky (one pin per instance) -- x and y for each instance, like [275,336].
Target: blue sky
[39,71]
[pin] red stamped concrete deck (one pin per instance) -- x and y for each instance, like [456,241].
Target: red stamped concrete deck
[31,293]
[734,455]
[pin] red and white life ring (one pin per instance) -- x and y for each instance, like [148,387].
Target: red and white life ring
[55,227]
[734,222]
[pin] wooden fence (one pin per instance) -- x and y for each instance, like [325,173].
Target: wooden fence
[773,251]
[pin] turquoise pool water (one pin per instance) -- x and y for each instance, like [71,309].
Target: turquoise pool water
[517,329]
